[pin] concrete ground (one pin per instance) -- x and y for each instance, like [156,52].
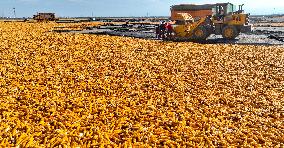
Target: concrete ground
[256,38]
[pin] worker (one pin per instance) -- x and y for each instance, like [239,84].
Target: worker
[169,29]
[158,32]
[162,31]
[221,14]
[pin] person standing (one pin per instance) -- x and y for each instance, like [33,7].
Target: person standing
[169,29]
[158,32]
[162,30]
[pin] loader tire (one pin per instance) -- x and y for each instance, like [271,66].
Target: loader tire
[230,32]
[200,33]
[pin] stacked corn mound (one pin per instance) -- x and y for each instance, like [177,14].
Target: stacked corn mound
[87,90]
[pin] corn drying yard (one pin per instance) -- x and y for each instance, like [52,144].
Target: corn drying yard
[82,90]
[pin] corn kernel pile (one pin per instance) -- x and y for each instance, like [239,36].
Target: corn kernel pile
[77,26]
[75,90]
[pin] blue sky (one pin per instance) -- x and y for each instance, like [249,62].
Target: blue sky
[26,8]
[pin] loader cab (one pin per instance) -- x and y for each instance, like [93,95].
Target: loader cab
[223,9]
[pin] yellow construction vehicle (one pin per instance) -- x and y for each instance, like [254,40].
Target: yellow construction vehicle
[197,22]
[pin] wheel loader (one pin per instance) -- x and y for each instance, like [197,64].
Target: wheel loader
[198,22]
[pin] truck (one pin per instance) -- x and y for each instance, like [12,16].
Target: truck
[40,17]
[198,22]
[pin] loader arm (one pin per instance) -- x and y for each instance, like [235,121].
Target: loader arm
[189,27]
[192,27]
